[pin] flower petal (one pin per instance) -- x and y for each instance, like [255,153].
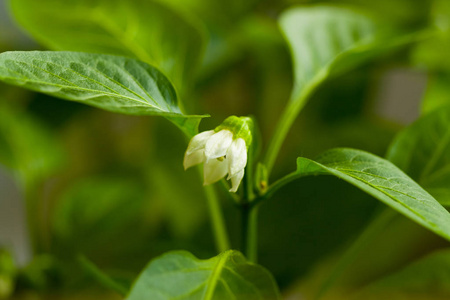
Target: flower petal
[237,157]
[236,180]
[194,158]
[217,145]
[198,141]
[214,170]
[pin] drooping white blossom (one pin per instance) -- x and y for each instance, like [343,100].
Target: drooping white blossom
[222,151]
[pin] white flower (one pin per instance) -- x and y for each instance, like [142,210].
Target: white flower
[221,154]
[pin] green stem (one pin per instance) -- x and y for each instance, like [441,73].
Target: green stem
[101,277]
[250,232]
[218,223]
[249,235]
[369,233]
[288,117]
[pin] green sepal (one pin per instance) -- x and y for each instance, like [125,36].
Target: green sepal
[241,127]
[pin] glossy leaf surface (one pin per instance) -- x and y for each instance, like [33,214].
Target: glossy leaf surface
[381,179]
[113,83]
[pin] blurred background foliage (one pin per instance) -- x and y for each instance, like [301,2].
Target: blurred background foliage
[112,188]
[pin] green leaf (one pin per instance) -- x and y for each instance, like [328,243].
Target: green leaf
[381,179]
[423,152]
[322,38]
[142,29]
[325,41]
[427,278]
[180,275]
[113,83]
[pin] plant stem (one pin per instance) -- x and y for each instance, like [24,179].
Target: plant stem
[288,117]
[370,232]
[249,212]
[218,223]
[250,232]
[101,277]
[215,212]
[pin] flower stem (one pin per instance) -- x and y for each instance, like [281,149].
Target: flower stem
[249,226]
[215,212]
[218,223]
[250,232]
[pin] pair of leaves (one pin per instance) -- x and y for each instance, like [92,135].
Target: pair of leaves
[325,41]
[422,151]
[147,30]
[116,84]
[128,86]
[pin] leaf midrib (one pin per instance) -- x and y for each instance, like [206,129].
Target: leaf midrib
[214,278]
[85,89]
[425,221]
[77,87]
[91,79]
[391,197]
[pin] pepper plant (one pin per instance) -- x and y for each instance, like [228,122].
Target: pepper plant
[162,59]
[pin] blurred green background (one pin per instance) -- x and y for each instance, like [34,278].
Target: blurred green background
[112,187]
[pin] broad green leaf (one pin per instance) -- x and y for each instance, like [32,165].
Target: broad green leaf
[381,179]
[113,83]
[427,278]
[423,152]
[143,29]
[324,40]
[180,275]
